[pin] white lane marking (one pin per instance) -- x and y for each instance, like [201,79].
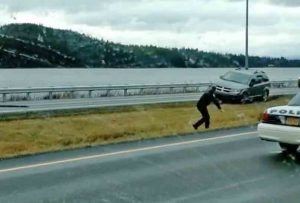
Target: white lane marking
[123,152]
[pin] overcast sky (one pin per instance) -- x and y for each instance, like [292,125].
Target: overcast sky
[210,25]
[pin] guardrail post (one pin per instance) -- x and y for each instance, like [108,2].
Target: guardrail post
[141,91]
[157,90]
[4,99]
[184,89]
[171,90]
[50,95]
[90,93]
[28,96]
[72,94]
[125,92]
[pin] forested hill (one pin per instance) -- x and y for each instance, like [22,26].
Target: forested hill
[30,45]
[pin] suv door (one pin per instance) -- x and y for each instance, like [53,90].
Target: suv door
[257,86]
[262,85]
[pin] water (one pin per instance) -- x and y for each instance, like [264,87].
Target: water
[13,78]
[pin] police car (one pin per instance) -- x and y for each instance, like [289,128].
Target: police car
[282,124]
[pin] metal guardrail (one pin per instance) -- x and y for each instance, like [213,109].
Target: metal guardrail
[140,89]
[284,84]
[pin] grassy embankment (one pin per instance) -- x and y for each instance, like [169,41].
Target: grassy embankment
[102,126]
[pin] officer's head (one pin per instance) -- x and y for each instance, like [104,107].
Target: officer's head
[212,89]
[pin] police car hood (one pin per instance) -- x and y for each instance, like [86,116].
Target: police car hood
[285,111]
[231,85]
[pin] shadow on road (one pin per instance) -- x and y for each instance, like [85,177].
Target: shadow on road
[13,106]
[287,157]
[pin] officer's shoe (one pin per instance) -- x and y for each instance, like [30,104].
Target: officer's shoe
[195,127]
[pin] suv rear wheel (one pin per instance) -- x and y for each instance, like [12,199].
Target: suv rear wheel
[265,96]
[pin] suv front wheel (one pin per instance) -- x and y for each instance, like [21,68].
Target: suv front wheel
[246,98]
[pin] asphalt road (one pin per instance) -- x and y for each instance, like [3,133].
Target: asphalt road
[222,166]
[63,104]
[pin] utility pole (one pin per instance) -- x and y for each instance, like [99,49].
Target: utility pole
[247,23]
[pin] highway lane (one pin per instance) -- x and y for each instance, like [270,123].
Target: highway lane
[45,105]
[63,104]
[221,166]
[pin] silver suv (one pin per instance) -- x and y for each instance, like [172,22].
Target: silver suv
[243,86]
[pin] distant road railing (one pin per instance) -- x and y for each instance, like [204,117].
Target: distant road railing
[17,94]
[284,84]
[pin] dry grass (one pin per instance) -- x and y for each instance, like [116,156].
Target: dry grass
[28,136]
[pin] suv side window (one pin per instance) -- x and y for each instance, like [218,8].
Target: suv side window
[255,80]
[259,79]
[265,78]
[252,82]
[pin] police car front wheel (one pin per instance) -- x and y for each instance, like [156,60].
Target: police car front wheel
[289,147]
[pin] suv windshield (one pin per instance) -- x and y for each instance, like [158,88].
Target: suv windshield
[236,77]
[295,101]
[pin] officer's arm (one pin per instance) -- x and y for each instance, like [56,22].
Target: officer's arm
[216,102]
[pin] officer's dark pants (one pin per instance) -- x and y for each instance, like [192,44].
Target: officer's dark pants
[205,117]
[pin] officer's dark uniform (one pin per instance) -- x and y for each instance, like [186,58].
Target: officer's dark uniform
[202,104]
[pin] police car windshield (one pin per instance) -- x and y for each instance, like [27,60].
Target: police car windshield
[295,101]
[236,77]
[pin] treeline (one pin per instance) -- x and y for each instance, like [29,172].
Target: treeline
[30,45]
